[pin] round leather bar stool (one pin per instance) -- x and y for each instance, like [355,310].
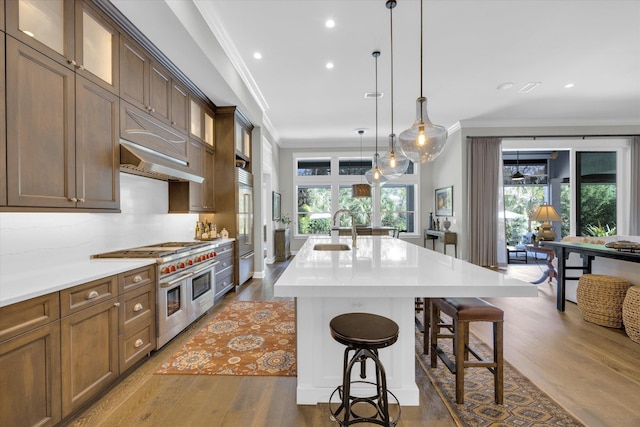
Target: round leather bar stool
[363,334]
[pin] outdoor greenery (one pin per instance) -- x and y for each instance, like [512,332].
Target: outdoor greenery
[598,210]
[598,207]
[315,216]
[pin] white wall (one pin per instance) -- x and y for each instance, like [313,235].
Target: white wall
[48,239]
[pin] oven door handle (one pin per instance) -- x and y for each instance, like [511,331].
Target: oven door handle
[174,281]
[208,267]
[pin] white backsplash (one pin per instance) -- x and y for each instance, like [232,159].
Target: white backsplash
[48,239]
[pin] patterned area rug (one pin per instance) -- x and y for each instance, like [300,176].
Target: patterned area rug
[245,338]
[525,405]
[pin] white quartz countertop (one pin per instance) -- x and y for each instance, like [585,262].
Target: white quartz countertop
[28,279]
[23,285]
[381,266]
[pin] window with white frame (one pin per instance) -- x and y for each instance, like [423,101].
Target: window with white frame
[323,186]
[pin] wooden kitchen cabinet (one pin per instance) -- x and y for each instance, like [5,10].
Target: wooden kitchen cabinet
[231,196]
[193,196]
[30,345]
[42,95]
[97,146]
[78,166]
[149,86]
[137,317]
[30,378]
[3,124]
[282,244]
[89,341]
[72,33]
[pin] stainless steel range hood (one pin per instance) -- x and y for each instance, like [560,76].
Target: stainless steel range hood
[139,160]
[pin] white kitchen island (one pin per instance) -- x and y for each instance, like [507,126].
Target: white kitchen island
[382,275]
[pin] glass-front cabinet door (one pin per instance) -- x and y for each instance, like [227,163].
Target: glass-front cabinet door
[70,32]
[97,44]
[45,25]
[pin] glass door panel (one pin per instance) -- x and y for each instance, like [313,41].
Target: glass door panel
[44,21]
[196,120]
[208,129]
[596,193]
[97,48]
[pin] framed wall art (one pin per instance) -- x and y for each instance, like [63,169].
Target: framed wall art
[276,210]
[444,201]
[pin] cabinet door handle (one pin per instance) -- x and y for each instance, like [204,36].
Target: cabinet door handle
[116,304]
[137,307]
[71,62]
[73,199]
[81,200]
[138,343]
[92,295]
[137,278]
[80,67]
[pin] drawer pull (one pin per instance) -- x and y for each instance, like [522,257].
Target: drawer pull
[116,304]
[224,283]
[92,295]
[138,343]
[137,278]
[224,264]
[137,307]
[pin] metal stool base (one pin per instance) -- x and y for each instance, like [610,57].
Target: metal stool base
[372,401]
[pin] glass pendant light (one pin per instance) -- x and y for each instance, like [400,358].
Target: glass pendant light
[423,141]
[394,163]
[374,176]
[362,189]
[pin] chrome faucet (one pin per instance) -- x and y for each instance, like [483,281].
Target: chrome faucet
[353,224]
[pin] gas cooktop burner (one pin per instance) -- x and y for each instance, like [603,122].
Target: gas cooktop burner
[160,250]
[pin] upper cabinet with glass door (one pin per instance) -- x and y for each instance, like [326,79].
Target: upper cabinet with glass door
[242,137]
[202,123]
[69,32]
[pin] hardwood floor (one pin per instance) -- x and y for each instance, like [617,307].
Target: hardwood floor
[591,370]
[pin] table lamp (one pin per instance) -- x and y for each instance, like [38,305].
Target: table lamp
[546,213]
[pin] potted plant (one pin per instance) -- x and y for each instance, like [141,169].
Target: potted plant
[285,220]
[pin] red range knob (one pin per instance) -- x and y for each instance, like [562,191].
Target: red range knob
[190,262]
[166,270]
[198,259]
[214,253]
[173,268]
[181,265]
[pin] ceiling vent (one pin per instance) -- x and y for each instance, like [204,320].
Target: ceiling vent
[373,94]
[529,87]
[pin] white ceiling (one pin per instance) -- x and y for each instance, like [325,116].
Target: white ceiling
[470,47]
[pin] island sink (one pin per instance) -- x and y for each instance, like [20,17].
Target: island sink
[331,247]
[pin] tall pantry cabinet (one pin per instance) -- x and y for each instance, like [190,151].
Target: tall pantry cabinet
[234,203]
[62,86]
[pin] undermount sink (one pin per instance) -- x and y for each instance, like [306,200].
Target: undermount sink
[331,247]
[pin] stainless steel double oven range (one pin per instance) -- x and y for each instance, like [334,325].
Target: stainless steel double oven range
[186,282]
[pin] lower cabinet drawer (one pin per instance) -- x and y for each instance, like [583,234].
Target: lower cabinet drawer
[86,295]
[137,305]
[24,316]
[138,341]
[224,282]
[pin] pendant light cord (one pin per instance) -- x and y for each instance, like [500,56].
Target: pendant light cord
[376,54]
[421,38]
[391,19]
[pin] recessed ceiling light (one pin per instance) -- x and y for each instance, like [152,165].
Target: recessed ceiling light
[257,55]
[330,23]
[505,86]
[529,87]
[329,65]
[569,85]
